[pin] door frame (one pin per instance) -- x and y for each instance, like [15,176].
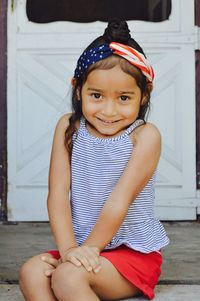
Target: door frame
[197,56]
[197,61]
[3,111]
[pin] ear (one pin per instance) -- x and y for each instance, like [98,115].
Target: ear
[144,100]
[78,93]
[73,81]
[146,94]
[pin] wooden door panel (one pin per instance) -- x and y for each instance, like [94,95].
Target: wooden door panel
[41,60]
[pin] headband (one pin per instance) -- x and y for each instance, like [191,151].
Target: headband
[96,54]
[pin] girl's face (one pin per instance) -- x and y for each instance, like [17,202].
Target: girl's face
[111,101]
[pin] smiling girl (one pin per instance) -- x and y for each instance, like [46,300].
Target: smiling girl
[101,182]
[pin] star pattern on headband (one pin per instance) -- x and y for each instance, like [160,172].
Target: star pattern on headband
[91,57]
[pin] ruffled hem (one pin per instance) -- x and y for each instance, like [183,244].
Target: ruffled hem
[145,237]
[142,249]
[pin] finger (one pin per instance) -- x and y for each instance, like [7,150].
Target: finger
[49,273]
[85,262]
[96,250]
[97,269]
[88,258]
[74,260]
[93,259]
[52,261]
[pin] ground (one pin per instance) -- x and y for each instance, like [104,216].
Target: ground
[180,279]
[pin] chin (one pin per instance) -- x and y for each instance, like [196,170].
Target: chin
[108,133]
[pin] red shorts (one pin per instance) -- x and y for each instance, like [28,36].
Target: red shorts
[142,270]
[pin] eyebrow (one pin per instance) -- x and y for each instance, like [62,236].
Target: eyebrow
[94,89]
[119,92]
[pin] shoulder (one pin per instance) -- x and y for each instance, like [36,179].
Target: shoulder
[147,132]
[60,129]
[64,121]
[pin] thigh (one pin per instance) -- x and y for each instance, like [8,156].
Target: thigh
[35,267]
[109,284]
[32,280]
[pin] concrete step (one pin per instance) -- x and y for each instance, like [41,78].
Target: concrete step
[180,279]
[181,264]
[11,292]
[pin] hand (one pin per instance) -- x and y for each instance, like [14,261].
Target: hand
[84,255]
[53,265]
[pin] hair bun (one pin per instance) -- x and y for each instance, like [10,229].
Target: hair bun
[117,31]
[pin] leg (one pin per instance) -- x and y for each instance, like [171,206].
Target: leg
[109,284]
[70,283]
[34,285]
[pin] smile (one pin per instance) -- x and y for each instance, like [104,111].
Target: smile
[107,121]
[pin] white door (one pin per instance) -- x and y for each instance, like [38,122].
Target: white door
[41,60]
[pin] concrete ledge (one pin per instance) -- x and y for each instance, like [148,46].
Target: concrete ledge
[181,263]
[163,293]
[180,278]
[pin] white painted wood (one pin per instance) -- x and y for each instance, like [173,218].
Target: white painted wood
[41,60]
[173,24]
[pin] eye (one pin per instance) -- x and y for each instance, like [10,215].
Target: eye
[124,97]
[96,95]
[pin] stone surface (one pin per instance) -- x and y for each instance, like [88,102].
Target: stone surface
[180,279]
[181,264]
[163,293]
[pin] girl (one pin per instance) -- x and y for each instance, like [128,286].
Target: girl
[101,182]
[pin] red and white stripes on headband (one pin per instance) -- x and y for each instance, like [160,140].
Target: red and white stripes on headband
[103,51]
[135,58]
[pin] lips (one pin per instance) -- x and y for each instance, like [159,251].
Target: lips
[107,121]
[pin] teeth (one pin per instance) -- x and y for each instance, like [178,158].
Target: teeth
[107,121]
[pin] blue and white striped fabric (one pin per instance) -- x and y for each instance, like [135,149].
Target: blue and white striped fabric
[97,164]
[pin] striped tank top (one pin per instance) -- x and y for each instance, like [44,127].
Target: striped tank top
[96,166]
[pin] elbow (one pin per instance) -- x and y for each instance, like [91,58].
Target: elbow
[57,198]
[49,204]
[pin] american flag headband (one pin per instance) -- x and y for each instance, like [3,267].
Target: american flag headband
[103,51]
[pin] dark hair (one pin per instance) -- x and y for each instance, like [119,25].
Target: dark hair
[116,31]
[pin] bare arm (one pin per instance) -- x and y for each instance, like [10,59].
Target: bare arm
[59,186]
[136,175]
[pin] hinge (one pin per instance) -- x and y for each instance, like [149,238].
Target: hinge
[198,174]
[197,37]
[198,179]
[198,204]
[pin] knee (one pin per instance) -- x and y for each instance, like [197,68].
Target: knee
[62,280]
[65,278]
[25,270]
[28,272]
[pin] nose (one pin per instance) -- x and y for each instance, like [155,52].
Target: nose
[109,108]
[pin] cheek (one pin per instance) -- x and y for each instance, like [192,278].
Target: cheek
[89,107]
[130,111]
